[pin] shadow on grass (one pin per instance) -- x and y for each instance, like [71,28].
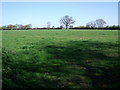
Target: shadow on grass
[77,65]
[102,70]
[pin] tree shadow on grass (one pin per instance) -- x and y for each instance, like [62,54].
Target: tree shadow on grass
[79,64]
[101,69]
[81,51]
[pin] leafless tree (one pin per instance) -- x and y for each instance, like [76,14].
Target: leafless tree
[48,24]
[53,27]
[19,26]
[61,27]
[91,24]
[96,24]
[67,21]
[28,26]
[10,26]
[100,23]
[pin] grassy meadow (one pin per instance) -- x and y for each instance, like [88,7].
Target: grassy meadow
[60,59]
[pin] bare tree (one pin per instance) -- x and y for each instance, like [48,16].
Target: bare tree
[19,26]
[29,26]
[48,24]
[100,23]
[53,27]
[61,27]
[10,26]
[96,24]
[91,24]
[67,21]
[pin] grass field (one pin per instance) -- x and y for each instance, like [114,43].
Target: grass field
[60,59]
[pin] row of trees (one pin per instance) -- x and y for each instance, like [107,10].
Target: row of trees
[106,27]
[66,22]
[16,27]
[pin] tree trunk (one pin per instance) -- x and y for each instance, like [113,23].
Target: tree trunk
[66,26]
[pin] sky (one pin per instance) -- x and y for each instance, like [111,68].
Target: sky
[39,13]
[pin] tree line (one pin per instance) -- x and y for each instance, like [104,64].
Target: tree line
[16,27]
[66,22]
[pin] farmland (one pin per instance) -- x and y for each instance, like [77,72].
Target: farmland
[60,59]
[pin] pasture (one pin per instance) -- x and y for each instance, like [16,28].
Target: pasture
[60,59]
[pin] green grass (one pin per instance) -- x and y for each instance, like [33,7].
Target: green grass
[60,59]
